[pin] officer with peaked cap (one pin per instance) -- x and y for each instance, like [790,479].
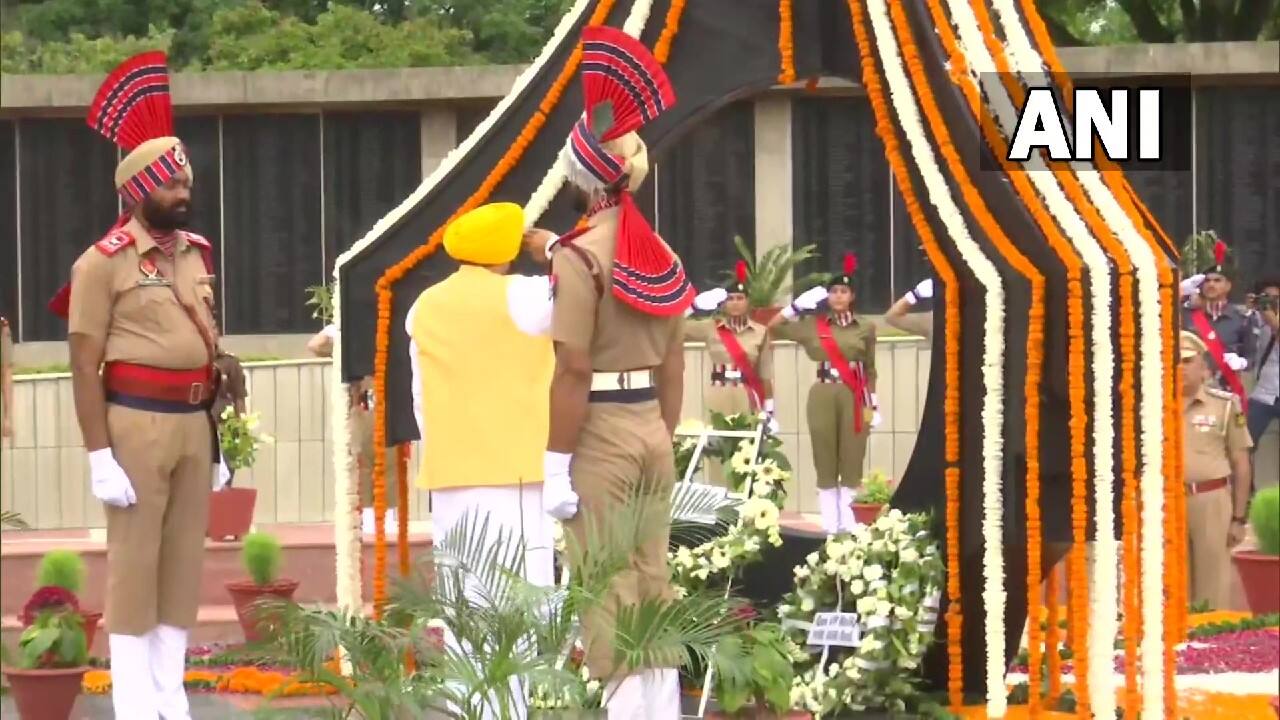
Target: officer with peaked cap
[140,301]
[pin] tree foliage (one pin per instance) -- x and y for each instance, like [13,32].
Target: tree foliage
[65,36]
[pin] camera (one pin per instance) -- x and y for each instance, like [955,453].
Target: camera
[1264,302]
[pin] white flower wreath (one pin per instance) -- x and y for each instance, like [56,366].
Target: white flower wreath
[890,574]
[765,474]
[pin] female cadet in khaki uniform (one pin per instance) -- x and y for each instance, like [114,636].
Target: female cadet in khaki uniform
[741,375]
[842,406]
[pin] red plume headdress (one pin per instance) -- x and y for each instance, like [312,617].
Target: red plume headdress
[625,88]
[848,265]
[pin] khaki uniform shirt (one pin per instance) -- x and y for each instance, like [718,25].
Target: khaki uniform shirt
[753,337]
[140,321]
[857,341]
[1214,431]
[617,336]
[915,323]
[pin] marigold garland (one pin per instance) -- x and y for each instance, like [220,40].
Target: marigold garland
[241,680]
[951,404]
[786,44]
[1020,263]
[1053,612]
[402,268]
[1174,611]
[671,26]
[402,489]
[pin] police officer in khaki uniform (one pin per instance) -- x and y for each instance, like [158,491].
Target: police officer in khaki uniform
[1218,475]
[360,433]
[141,301]
[842,406]
[619,298]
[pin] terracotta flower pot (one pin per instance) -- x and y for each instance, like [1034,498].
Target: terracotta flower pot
[231,513]
[45,694]
[765,314]
[1260,575]
[866,513]
[244,593]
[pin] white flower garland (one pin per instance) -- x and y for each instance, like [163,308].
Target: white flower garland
[890,573]
[1102,352]
[1151,428]
[759,521]
[908,114]
[346,522]
[551,183]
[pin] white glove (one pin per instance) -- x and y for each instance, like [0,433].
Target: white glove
[922,291]
[558,498]
[1192,284]
[875,416]
[810,298]
[772,422]
[224,472]
[108,480]
[710,299]
[1235,362]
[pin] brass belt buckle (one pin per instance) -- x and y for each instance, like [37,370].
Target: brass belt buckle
[196,393]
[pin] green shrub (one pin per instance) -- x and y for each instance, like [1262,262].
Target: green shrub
[1264,516]
[261,556]
[61,568]
[875,489]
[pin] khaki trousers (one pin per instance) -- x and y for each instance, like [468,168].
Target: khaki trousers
[727,400]
[623,465]
[1209,558]
[155,549]
[838,452]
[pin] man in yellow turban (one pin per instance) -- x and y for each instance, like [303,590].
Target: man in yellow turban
[482,360]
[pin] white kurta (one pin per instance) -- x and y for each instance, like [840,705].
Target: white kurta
[517,508]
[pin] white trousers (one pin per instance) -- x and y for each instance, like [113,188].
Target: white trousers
[516,510]
[646,695]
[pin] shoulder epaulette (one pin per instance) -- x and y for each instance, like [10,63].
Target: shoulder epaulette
[198,240]
[114,242]
[1220,394]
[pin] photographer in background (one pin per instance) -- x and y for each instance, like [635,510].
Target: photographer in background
[1263,308]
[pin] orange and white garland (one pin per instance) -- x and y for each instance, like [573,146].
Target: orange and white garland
[909,116]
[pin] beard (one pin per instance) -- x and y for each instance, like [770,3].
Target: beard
[165,218]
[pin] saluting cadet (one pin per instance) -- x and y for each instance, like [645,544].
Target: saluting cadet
[1209,313]
[842,406]
[1218,476]
[141,300]
[741,376]
[900,316]
[619,299]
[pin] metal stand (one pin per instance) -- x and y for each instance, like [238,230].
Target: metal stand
[758,434]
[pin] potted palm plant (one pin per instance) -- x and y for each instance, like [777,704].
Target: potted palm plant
[231,508]
[764,689]
[874,493]
[52,657]
[65,569]
[769,278]
[261,556]
[511,644]
[1259,568]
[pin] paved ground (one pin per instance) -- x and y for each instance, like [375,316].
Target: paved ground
[203,707]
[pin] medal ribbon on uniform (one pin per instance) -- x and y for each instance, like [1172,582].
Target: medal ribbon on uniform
[1211,340]
[755,388]
[856,383]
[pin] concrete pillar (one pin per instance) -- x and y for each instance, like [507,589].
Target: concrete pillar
[773,172]
[439,128]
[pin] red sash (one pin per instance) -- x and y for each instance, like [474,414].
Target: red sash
[755,388]
[841,365]
[1205,329]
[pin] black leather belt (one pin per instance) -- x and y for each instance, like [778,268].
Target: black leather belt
[634,395]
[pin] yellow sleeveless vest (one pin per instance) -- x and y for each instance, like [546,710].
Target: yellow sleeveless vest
[485,385]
